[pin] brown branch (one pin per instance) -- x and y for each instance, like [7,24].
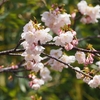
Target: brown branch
[9,69]
[68,65]
[85,50]
[7,52]
[75,48]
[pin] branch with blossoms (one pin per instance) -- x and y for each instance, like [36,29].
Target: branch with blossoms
[36,38]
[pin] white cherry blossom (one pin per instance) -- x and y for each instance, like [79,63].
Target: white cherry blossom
[29,64]
[78,75]
[63,38]
[80,57]
[82,5]
[29,27]
[86,79]
[37,67]
[32,49]
[37,83]
[56,53]
[28,57]
[28,36]
[68,59]
[45,74]
[57,66]
[95,82]
[43,36]
[98,63]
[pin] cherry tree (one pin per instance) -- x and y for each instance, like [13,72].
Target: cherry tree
[57,34]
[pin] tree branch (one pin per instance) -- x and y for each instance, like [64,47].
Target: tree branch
[20,41]
[68,65]
[85,50]
[7,52]
[10,69]
[75,48]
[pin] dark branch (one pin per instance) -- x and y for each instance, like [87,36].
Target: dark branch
[75,48]
[21,40]
[68,65]
[7,52]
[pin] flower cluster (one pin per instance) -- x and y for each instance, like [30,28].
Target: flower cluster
[59,22]
[55,20]
[66,39]
[90,14]
[95,82]
[58,66]
[33,34]
[36,37]
[82,59]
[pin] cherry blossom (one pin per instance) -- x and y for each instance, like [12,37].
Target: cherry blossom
[80,57]
[91,14]
[37,83]
[29,27]
[78,75]
[45,74]
[63,38]
[95,82]
[55,20]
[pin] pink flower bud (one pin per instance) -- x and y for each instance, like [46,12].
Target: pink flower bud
[73,15]
[30,83]
[89,59]
[75,42]
[14,66]
[69,46]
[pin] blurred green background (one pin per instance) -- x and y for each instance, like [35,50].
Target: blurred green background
[14,14]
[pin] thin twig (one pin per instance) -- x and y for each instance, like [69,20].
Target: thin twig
[9,69]
[85,50]
[21,40]
[89,37]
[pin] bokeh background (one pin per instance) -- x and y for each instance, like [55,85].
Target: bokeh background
[14,14]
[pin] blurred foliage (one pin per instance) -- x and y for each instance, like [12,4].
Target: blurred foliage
[14,14]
